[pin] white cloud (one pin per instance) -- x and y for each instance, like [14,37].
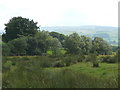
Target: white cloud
[61,12]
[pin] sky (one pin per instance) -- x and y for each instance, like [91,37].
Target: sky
[61,12]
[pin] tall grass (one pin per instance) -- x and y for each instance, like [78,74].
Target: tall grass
[32,73]
[66,78]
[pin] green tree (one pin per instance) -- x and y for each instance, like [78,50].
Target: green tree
[60,37]
[5,49]
[76,44]
[17,27]
[85,44]
[18,46]
[72,44]
[117,56]
[32,46]
[42,41]
[38,44]
[101,47]
[54,45]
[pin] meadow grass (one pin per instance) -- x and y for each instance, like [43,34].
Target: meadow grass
[105,70]
[34,72]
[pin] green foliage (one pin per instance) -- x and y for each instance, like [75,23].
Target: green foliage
[108,59]
[81,58]
[29,74]
[49,53]
[32,47]
[18,46]
[101,47]
[85,45]
[115,48]
[59,64]
[18,27]
[69,60]
[7,65]
[78,45]
[38,43]
[60,37]
[72,43]
[5,49]
[55,45]
[41,43]
[46,63]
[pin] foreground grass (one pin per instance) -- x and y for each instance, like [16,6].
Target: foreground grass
[105,70]
[29,74]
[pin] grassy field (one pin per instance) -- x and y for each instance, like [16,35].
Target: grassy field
[105,70]
[39,72]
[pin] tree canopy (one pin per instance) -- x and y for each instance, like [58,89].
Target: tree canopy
[17,27]
[76,44]
[101,47]
[60,37]
[23,38]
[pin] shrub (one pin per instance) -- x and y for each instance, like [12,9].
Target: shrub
[81,58]
[95,64]
[5,49]
[18,46]
[59,64]
[13,63]
[68,60]
[7,66]
[88,58]
[108,59]
[46,63]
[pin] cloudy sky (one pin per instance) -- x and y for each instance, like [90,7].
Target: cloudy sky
[61,12]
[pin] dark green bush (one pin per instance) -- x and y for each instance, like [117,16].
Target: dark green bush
[18,46]
[108,59]
[81,58]
[5,58]
[59,64]
[5,49]
[88,58]
[13,63]
[68,60]
[6,66]
[95,64]
[46,63]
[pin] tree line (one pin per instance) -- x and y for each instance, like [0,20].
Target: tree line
[23,37]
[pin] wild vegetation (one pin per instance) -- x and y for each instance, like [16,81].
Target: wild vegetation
[40,59]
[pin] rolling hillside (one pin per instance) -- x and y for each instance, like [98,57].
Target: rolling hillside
[110,34]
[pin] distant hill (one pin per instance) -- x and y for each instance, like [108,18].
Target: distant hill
[74,28]
[110,34]
[98,27]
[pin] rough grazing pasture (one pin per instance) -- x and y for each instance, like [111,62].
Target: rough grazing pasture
[40,72]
